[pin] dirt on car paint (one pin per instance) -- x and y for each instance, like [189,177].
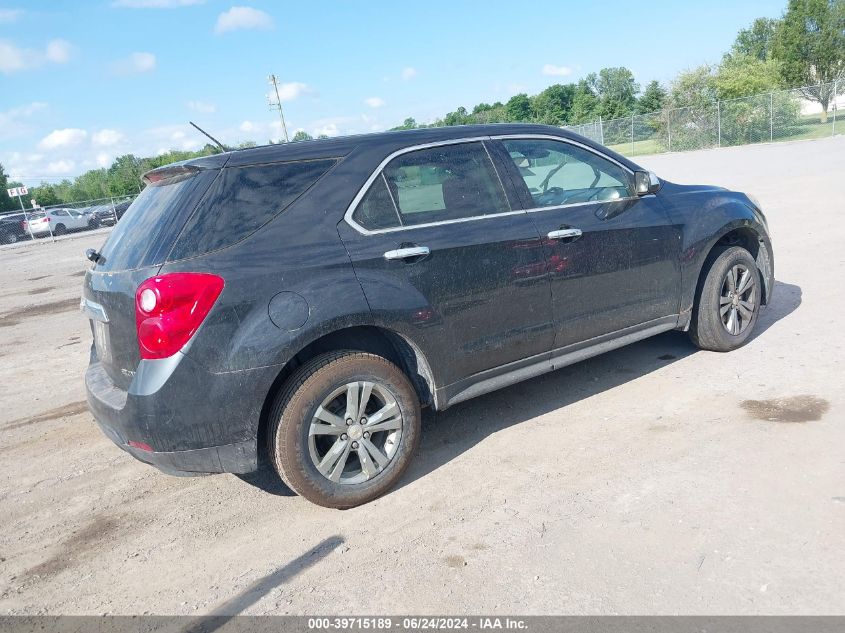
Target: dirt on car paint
[795,409]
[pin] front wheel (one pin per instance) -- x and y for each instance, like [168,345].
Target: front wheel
[344,429]
[728,301]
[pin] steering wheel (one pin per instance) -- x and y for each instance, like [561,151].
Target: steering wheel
[554,195]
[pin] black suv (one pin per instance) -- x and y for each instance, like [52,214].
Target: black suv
[12,228]
[303,301]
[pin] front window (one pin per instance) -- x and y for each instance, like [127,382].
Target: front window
[558,173]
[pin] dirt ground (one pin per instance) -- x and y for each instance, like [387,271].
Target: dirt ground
[656,479]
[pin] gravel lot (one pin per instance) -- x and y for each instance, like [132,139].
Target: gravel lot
[653,480]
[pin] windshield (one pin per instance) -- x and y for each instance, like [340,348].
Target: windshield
[145,234]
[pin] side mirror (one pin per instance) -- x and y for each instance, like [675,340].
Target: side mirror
[646,182]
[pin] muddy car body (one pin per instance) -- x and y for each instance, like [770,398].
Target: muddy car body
[420,268]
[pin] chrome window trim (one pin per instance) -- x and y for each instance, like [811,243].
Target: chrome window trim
[518,137]
[473,139]
[549,137]
[413,148]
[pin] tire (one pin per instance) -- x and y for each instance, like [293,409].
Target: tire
[60,229]
[9,238]
[322,385]
[712,330]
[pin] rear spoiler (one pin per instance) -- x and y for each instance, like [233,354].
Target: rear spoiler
[170,174]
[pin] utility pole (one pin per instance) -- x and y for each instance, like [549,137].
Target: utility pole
[277,104]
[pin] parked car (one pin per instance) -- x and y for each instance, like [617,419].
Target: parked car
[303,301]
[12,228]
[57,221]
[108,215]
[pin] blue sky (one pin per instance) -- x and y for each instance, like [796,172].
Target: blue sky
[82,82]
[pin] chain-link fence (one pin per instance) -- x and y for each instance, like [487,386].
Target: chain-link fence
[802,113]
[55,221]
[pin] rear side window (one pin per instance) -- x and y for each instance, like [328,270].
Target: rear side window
[437,184]
[149,227]
[244,199]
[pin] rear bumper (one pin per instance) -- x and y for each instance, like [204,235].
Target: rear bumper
[192,420]
[230,458]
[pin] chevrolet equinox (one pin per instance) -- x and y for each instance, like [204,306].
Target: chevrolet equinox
[303,301]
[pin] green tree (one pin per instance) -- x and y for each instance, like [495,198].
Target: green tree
[409,124]
[744,75]
[756,41]
[124,176]
[585,104]
[691,121]
[694,88]
[810,45]
[554,104]
[616,90]
[302,135]
[45,195]
[7,203]
[458,117]
[518,108]
[652,99]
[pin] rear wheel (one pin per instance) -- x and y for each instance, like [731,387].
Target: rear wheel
[728,301]
[60,229]
[344,429]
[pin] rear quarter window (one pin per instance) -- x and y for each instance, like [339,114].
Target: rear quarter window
[242,200]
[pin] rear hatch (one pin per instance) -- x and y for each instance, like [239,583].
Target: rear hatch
[135,251]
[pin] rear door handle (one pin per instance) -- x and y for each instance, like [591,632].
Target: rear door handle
[565,234]
[407,253]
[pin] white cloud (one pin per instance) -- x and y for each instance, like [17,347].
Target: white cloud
[106,138]
[154,4]
[202,107]
[247,126]
[374,102]
[330,130]
[293,90]
[67,137]
[14,122]
[556,71]
[409,73]
[103,159]
[242,18]
[58,52]
[15,59]
[135,64]
[63,166]
[8,16]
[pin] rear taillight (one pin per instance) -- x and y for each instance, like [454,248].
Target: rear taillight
[170,308]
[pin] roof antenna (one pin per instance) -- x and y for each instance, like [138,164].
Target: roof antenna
[216,142]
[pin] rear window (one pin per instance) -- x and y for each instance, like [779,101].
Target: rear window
[147,231]
[243,200]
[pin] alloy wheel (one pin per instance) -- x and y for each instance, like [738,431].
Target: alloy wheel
[355,432]
[737,299]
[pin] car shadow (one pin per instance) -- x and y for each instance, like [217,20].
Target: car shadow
[449,433]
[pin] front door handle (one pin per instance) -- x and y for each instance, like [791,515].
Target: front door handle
[564,234]
[407,253]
